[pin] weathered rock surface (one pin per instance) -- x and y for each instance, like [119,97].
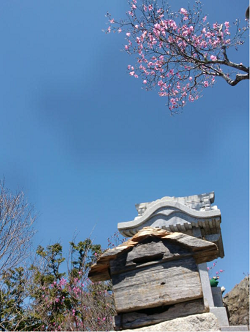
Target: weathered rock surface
[201,322]
[237,303]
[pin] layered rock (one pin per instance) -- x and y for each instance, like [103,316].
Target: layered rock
[237,303]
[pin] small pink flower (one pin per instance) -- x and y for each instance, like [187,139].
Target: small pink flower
[206,84]
[190,78]
[132,73]
[145,82]
[112,21]
[150,7]
[226,24]
[183,11]
[213,57]
[204,18]
[128,34]
[119,30]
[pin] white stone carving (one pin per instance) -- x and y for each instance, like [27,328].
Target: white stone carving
[179,214]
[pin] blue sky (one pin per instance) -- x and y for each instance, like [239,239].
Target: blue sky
[85,143]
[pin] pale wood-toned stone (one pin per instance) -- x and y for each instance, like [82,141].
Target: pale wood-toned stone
[150,317]
[162,284]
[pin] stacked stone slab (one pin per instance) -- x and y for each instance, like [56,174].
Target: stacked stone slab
[155,276]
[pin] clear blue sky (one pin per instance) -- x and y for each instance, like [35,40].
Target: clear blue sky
[85,143]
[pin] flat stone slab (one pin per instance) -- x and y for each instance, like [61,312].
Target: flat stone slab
[235,328]
[200,322]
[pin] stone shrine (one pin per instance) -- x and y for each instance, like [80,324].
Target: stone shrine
[155,276]
[161,272]
[193,215]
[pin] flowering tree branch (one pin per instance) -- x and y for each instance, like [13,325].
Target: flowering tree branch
[180,53]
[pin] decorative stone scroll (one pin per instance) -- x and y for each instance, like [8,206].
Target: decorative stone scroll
[192,215]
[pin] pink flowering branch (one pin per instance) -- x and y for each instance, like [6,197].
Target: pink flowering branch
[179,53]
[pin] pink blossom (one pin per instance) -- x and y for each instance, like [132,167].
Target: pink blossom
[150,7]
[145,82]
[206,84]
[213,57]
[119,30]
[128,34]
[63,282]
[190,78]
[112,21]
[226,24]
[204,18]
[183,11]
[132,73]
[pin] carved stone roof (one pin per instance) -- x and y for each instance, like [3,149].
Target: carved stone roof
[203,251]
[193,215]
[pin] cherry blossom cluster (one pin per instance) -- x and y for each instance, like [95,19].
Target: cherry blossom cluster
[178,53]
[211,268]
[71,301]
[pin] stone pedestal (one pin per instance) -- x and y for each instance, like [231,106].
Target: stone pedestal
[217,296]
